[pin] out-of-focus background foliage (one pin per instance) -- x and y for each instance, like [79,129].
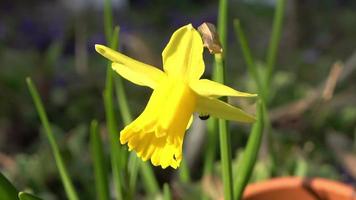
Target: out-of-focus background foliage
[53,42]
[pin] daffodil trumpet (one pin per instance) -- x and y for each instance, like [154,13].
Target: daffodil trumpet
[158,132]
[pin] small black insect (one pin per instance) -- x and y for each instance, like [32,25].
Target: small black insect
[204,116]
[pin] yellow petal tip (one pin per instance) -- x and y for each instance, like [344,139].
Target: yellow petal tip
[100,48]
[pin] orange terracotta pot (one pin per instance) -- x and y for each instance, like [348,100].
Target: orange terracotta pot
[295,188]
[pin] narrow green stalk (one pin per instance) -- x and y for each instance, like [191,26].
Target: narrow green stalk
[7,190]
[271,61]
[149,179]
[27,196]
[108,20]
[184,174]
[133,167]
[68,185]
[115,155]
[225,148]
[246,52]
[210,148]
[274,39]
[133,161]
[114,144]
[222,24]
[245,166]
[100,170]
[166,192]
[224,134]
[122,100]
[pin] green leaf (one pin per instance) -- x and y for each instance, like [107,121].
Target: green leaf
[184,174]
[274,39]
[100,169]
[245,167]
[211,146]
[115,153]
[27,196]
[166,192]
[119,156]
[246,52]
[7,190]
[108,20]
[149,179]
[67,182]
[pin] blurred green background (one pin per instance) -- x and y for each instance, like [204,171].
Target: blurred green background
[53,42]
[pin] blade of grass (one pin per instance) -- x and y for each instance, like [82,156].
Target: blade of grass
[246,52]
[115,153]
[100,170]
[27,196]
[149,179]
[274,39]
[133,167]
[108,20]
[67,182]
[166,192]
[133,161]
[210,148]
[148,176]
[224,134]
[122,100]
[271,61]
[245,166]
[114,146]
[7,190]
[184,174]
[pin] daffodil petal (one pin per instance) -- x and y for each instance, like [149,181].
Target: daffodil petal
[210,88]
[183,55]
[139,76]
[131,69]
[220,109]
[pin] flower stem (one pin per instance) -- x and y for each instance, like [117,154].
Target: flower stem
[224,134]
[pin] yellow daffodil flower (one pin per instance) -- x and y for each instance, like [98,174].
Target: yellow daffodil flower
[158,133]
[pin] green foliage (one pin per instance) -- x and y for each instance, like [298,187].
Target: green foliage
[166,192]
[66,180]
[100,169]
[27,196]
[246,164]
[7,190]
